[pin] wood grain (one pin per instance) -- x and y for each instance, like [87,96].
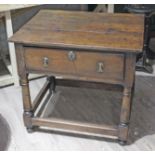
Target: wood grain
[117,32]
[80,46]
[142,126]
[84,65]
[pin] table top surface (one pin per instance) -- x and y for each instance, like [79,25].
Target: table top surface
[83,30]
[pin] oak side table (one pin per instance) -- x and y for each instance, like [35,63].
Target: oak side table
[79,46]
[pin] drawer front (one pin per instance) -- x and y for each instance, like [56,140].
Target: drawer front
[78,63]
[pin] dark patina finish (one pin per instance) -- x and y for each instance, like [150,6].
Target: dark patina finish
[79,46]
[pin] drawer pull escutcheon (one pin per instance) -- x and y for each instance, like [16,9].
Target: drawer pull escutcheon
[71,55]
[100,67]
[45,62]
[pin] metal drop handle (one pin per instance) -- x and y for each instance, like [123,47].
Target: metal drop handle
[71,55]
[45,61]
[100,67]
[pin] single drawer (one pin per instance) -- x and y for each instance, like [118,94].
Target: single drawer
[79,63]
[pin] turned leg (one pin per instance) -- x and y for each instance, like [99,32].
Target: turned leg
[28,113]
[52,84]
[125,116]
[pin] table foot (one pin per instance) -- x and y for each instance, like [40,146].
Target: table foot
[30,130]
[122,142]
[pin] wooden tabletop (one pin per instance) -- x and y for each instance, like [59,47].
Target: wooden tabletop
[85,30]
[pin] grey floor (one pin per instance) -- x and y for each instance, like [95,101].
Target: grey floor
[142,127]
